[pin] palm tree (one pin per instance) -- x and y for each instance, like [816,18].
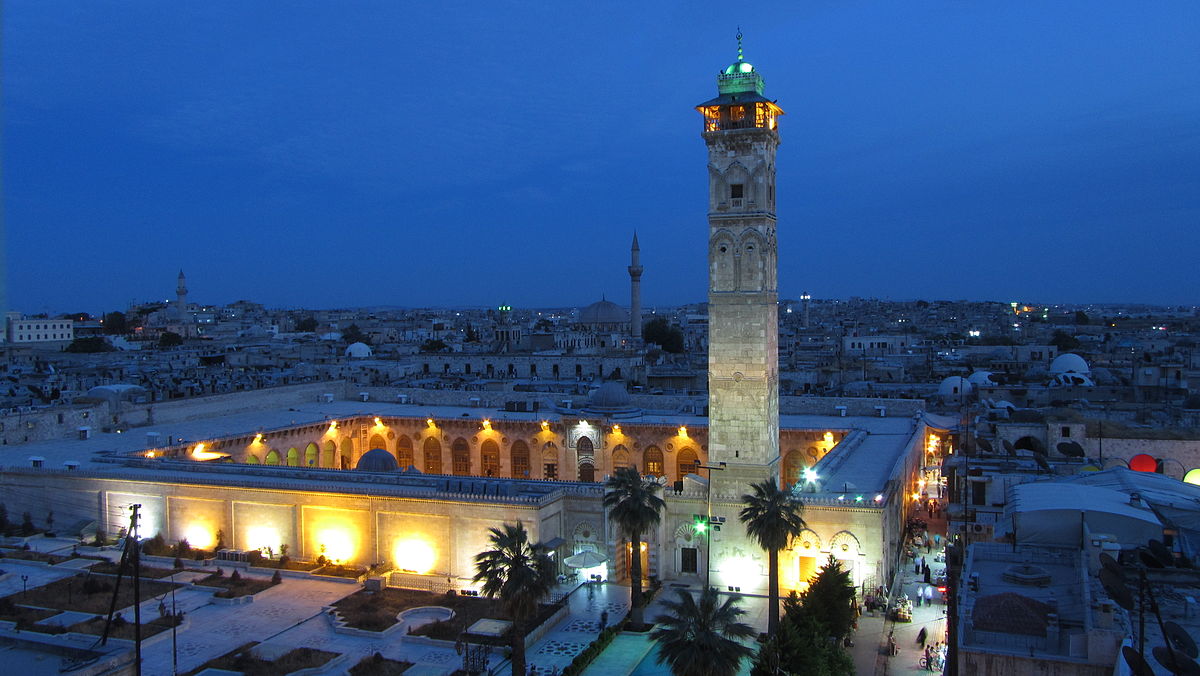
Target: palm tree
[701,639]
[634,505]
[772,518]
[521,574]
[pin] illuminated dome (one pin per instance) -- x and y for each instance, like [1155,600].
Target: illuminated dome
[603,312]
[954,386]
[612,400]
[358,351]
[738,67]
[377,460]
[1069,363]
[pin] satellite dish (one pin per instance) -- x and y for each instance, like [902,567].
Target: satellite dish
[985,445]
[1008,447]
[1041,461]
[1110,563]
[1070,449]
[1115,587]
[1163,554]
[1180,639]
[1175,661]
[1137,663]
[1149,559]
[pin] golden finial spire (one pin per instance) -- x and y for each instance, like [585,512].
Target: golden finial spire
[739,39]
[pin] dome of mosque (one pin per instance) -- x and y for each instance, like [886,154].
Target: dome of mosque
[954,386]
[1069,363]
[981,378]
[358,351]
[377,460]
[611,395]
[738,67]
[603,312]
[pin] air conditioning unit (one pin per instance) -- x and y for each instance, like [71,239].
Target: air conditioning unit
[327,398]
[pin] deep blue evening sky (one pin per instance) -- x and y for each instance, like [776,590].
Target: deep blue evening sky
[328,154]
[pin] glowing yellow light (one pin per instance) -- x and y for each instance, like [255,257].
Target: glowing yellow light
[414,555]
[378,422]
[199,536]
[332,428]
[258,438]
[487,425]
[149,454]
[916,496]
[739,568]
[545,425]
[198,453]
[921,483]
[616,429]
[336,544]
[263,537]
[683,432]
[429,422]
[829,437]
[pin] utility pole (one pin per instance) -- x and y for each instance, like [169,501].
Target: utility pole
[708,524]
[137,592]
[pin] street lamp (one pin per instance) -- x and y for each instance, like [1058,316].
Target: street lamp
[707,526]
[24,586]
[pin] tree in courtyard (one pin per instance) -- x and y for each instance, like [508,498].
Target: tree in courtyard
[3,518]
[829,600]
[801,647]
[434,345]
[702,639]
[1064,341]
[170,339]
[634,506]
[521,574]
[353,334]
[114,323]
[772,518]
[660,332]
[89,345]
[306,325]
[27,527]
[1082,318]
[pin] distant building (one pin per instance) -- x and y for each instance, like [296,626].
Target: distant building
[39,330]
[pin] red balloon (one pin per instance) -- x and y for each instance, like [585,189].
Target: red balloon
[1143,463]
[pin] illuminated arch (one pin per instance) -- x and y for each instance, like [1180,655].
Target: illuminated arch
[377,441]
[519,453]
[460,457]
[793,467]
[329,455]
[489,457]
[844,545]
[272,457]
[404,452]
[807,543]
[293,457]
[433,456]
[687,536]
[550,460]
[653,461]
[347,457]
[251,459]
[311,455]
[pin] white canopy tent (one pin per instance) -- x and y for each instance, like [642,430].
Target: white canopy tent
[1053,513]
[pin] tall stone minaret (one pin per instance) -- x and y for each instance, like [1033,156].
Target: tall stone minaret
[181,298]
[740,130]
[635,291]
[806,299]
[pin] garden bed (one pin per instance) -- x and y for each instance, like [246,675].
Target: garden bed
[231,587]
[290,564]
[152,572]
[31,555]
[330,570]
[95,627]
[376,611]
[68,593]
[24,617]
[243,660]
[378,665]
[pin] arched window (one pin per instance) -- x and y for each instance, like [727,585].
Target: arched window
[621,458]
[520,459]
[587,471]
[585,453]
[489,456]
[293,457]
[327,457]
[272,457]
[311,454]
[377,442]
[404,452]
[460,457]
[653,461]
[550,460]
[347,453]
[793,467]
[251,459]
[433,456]
[686,462]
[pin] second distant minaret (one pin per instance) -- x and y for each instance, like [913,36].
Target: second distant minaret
[635,291]
[181,297]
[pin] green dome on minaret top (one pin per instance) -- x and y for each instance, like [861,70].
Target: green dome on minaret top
[740,75]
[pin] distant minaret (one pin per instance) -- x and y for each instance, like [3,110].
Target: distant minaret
[181,298]
[806,298]
[635,291]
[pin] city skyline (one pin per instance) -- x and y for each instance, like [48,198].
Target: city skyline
[375,156]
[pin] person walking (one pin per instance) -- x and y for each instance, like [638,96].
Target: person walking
[921,636]
[929,595]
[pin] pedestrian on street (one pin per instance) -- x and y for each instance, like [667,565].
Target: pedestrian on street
[929,595]
[603,619]
[921,636]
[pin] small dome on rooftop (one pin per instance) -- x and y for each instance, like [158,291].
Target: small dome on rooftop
[377,460]
[1069,363]
[738,67]
[954,386]
[358,351]
[611,395]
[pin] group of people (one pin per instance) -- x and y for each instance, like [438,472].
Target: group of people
[924,595]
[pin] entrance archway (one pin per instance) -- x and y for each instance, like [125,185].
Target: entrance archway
[311,455]
[433,456]
[686,463]
[460,457]
[489,457]
[293,457]
[404,452]
[653,461]
[519,453]
[550,460]
[327,457]
[272,457]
